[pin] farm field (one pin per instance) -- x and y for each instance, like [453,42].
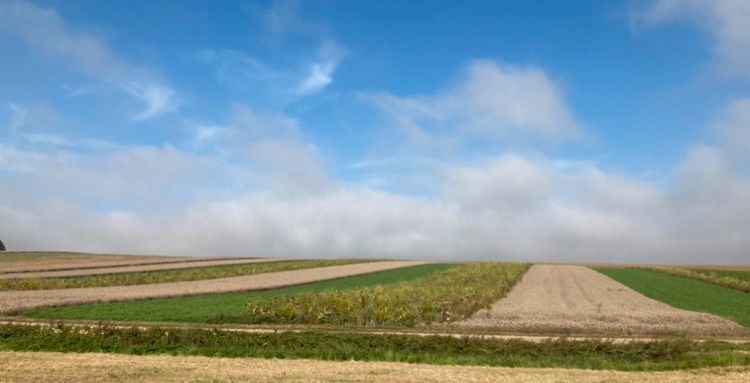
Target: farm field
[129,269]
[447,296]
[11,301]
[19,261]
[436,350]
[63,368]
[733,279]
[329,313]
[222,308]
[686,293]
[192,272]
[576,299]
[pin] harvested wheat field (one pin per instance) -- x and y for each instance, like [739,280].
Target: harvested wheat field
[185,264]
[11,301]
[576,299]
[19,262]
[59,367]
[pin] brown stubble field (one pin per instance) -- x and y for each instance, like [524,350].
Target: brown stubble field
[31,261]
[64,368]
[92,269]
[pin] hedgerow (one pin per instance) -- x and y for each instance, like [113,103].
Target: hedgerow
[447,296]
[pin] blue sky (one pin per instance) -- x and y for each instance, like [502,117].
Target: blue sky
[584,130]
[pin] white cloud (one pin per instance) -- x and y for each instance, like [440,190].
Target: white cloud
[18,160]
[158,99]
[492,101]
[245,75]
[45,30]
[725,20]
[733,129]
[509,206]
[321,71]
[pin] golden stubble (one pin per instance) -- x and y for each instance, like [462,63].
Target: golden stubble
[62,368]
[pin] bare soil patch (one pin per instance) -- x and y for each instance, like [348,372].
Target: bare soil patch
[171,265]
[11,301]
[61,368]
[559,298]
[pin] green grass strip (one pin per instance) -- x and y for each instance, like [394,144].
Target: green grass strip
[221,308]
[685,293]
[447,296]
[736,280]
[163,276]
[645,356]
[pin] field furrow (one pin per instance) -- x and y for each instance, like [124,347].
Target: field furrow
[576,299]
[11,301]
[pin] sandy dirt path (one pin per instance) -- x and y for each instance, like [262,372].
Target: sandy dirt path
[18,300]
[578,299]
[129,269]
[62,368]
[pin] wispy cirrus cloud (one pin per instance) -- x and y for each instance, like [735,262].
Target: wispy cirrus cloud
[309,68]
[46,31]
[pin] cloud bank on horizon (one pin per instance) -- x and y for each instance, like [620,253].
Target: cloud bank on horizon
[284,130]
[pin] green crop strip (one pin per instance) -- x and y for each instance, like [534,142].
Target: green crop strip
[685,293]
[645,356]
[163,276]
[736,280]
[447,296]
[221,308]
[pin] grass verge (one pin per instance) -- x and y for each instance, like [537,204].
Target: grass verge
[685,293]
[220,308]
[447,296]
[635,356]
[163,276]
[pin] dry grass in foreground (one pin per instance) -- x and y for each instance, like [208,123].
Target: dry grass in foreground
[61,368]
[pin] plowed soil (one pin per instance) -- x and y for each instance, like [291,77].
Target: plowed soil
[576,299]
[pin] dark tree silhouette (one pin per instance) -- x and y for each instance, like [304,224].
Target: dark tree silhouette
[2,247]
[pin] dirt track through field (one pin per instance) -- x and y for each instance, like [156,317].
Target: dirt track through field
[129,269]
[578,299]
[62,368]
[18,300]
